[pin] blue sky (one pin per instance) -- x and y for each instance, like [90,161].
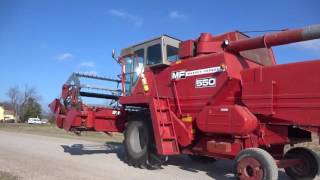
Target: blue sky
[42,42]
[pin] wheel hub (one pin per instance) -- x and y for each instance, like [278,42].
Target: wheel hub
[249,169]
[302,169]
[307,168]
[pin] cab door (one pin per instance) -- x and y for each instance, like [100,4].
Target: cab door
[133,66]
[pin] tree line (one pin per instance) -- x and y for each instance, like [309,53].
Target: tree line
[24,103]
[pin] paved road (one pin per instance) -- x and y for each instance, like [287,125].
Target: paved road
[37,157]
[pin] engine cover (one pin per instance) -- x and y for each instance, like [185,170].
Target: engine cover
[231,119]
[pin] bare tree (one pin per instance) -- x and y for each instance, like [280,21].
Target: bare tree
[7,105]
[29,106]
[14,95]
[29,93]
[24,103]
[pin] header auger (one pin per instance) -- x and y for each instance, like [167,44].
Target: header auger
[214,97]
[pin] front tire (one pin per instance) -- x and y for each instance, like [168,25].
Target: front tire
[140,146]
[309,169]
[257,164]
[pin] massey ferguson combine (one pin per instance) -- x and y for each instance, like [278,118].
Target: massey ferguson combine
[214,97]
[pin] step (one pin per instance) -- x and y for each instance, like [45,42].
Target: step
[167,138]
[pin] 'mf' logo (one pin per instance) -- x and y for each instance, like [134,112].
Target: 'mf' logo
[178,75]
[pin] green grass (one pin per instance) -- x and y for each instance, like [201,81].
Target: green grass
[53,131]
[7,176]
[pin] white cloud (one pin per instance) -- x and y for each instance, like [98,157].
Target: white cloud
[177,15]
[116,12]
[90,73]
[87,64]
[311,45]
[136,20]
[64,56]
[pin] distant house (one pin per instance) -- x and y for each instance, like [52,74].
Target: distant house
[1,113]
[9,115]
[6,114]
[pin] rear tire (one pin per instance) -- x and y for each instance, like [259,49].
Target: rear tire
[257,164]
[310,167]
[139,146]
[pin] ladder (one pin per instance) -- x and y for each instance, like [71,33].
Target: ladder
[163,126]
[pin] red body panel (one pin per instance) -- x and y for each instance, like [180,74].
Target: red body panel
[227,119]
[287,94]
[218,99]
[101,119]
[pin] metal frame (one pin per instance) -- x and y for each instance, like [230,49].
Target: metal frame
[164,40]
[251,106]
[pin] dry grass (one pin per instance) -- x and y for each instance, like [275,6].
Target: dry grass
[7,176]
[53,131]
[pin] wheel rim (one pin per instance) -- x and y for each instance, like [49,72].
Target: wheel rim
[301,169]
[306,168]
[139,146]
[142,138]
[249,169]
[139,140]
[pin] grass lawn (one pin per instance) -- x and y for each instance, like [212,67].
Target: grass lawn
[53,131]
[7,176]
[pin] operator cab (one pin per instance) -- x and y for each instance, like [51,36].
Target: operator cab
[155,53]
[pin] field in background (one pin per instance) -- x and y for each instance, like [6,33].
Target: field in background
[53,131]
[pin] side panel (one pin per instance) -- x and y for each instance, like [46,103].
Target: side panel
[232,119]
[287,94]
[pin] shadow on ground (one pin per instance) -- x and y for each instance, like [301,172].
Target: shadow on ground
[221,169]
[82,149]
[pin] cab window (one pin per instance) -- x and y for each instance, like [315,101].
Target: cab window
[154,54]
[128,74]
[138,59]
[172,53]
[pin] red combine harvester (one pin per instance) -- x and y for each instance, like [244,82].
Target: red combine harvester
[214,97]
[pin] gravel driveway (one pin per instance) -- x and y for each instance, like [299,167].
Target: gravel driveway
[40,157]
